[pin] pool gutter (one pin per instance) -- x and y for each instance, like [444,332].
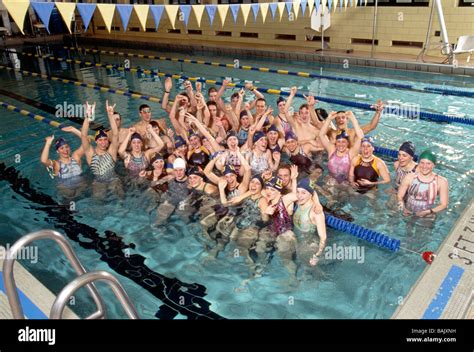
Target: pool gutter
[445,290]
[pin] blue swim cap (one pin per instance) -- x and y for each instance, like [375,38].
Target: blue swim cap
[275,182]
[229,169]
[60,142]
[342,134]
[272,128]
[368,139]
[100,134]
[290,135]
[408,147]
[306,185]
[136,136]
[179,141]
[257,136]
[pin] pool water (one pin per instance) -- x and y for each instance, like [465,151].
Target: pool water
[165,269]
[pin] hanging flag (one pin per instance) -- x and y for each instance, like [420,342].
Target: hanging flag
[17,9]
[311,6]
[323,4]
[142,14]
[345,4]
[281,9]
[329,5]
[125,12]
[107,12]
[255,8]
[365,2]
[86,11]
[43,10]
[172,11]
[273,8]
[264,10]
[186,11]
[222,10]
[157,12]
[288,6]
[303,6]
[296,7]
[245,12]
[198,11]
[211,12]
[235,12]
[66,9]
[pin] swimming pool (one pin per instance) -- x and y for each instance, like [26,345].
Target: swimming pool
[166,273]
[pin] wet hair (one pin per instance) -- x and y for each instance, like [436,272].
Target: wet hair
[321,113]
[211,89]
[234,95]
[303,106]
[117,113]
[185,95]
[154,124]
[340,112]
[284,167]
[261,99]
[143,106]
[209,103]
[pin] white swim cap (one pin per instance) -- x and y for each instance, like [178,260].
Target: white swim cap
[179,164]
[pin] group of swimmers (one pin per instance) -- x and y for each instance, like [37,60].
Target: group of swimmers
[250,175]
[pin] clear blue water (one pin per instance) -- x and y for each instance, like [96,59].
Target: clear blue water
[346,289]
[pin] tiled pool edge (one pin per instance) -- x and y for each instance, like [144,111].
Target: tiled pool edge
[445,290]
[330,58]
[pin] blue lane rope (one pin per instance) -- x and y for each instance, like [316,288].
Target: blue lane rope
[434,90]
[377,238]
[423,115]
[33,116]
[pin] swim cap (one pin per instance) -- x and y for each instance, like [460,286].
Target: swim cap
[369,140]
[231,133]
[321,113]
[342,134]
[258,178]
[306,185]
[257,136]
[408,147]
[179,164]
[243,113]
[193,134]
[195,171]
[229,169]
[275,182]
[136,136]
[156,157]
[280,99]
[428,155]
[100,134]
[290,135]
[272,128]
[60,142]
[179,141]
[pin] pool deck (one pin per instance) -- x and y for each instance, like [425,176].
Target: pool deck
[445,290]
[41,299]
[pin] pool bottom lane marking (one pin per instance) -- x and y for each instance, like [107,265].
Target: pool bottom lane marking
[170,291]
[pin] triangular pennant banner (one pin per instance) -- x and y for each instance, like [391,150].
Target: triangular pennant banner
[86,11]
[222,10]
[186,11]
[125,11]
[311,6]
[66,9]
[288,6]
[273,9]
[255,8]
[198,11]
[245,12]
[264,10]
[296,7]
[43,10]
[17,9]
[107,12]
[235,12]
[157,12]
[323,4]
[329,4]
[142,14]
[172,11]
[281,9]
[303,6]
[211,12]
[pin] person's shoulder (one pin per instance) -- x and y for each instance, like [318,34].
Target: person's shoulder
[442,179]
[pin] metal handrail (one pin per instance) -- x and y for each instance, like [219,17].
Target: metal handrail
[8,275]
[87,279]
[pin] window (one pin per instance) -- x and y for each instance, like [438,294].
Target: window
[466,3]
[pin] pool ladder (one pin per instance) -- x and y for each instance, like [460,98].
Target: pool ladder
[83,279]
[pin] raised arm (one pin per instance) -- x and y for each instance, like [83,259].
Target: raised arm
[159,142]
[323,134]
[233,119]
[359,135]
[114,143]
[290,98]
[311,104]
[166,94]
[216,147]
[45,153]
[208,172]
[376,118]
[123,147]
[244,185]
